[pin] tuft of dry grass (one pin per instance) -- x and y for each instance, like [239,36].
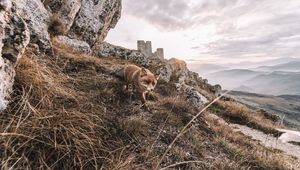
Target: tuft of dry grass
[56,26]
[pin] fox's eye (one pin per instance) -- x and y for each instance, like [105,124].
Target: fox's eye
[153,83]
[147,82]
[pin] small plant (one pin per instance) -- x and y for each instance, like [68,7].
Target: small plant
[56,26]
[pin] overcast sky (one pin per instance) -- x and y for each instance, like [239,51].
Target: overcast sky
[219,31]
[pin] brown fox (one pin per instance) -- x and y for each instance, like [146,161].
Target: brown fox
[142,80]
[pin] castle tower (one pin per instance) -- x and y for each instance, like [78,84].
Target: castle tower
[148,50]
[141,46]
[160,53]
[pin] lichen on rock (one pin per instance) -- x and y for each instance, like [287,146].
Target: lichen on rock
[14,37]
[107,50]
[73,44]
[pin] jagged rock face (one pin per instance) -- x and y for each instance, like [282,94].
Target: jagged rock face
[14,37]
[174,68]
[87,20]
[197,99]
[5,5]
[109,50]
[66,10]
[95,18]
[37,18]
[75,45]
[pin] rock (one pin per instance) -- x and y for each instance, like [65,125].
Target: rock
[217,89]
[198,100]
[95,19]
[109,50]
[66,10]
[14,36]
[5,5]
[37,18]
[174,69]
[75,45]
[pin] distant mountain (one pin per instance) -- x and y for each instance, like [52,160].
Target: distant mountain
[286,106]
[272,62]
[231,79]
[275,83]
[293,66]
[244,88]
[204,69]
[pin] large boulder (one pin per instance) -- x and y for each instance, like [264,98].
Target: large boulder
[95,19]
[65,10]
[193,95]
[14,37]
[73,44]
[109,50]
[174,69]
[87,20]
[37,18]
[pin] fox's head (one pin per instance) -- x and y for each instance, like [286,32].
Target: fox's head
[148,80]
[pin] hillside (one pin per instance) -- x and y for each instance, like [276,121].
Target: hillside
[62,106]
[286,106]
[92,120]
[292,66]
[275,83]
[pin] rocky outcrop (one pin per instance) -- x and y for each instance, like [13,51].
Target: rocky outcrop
[174,69]
[87,20]
[65,10]
[37,18]
[14,37]
[109,50]
[192,94]
[196,89]
[95,19]
[73,44]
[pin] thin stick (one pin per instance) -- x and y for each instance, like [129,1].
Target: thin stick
[187,125]
[180,163]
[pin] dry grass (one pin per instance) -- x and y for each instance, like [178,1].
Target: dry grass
[246,152]
[50,124]
[56,26]
[238,113]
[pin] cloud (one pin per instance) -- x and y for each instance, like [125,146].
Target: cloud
[227,29]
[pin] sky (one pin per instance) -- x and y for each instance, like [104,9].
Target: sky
[214,31]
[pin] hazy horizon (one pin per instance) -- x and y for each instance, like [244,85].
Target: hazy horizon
[219,32]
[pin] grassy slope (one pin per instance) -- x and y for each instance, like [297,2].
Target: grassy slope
[286,106]
[70,112]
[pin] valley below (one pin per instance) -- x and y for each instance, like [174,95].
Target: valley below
[285,106]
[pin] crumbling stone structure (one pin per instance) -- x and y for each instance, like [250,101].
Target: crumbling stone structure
[146,49]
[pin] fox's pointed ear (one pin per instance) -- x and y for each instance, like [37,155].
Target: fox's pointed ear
[157,76]
[143,72]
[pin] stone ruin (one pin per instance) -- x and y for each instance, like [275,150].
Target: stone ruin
[146,49]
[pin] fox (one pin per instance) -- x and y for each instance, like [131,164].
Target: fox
[142,80]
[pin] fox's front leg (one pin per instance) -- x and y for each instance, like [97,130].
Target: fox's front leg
[143,98]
